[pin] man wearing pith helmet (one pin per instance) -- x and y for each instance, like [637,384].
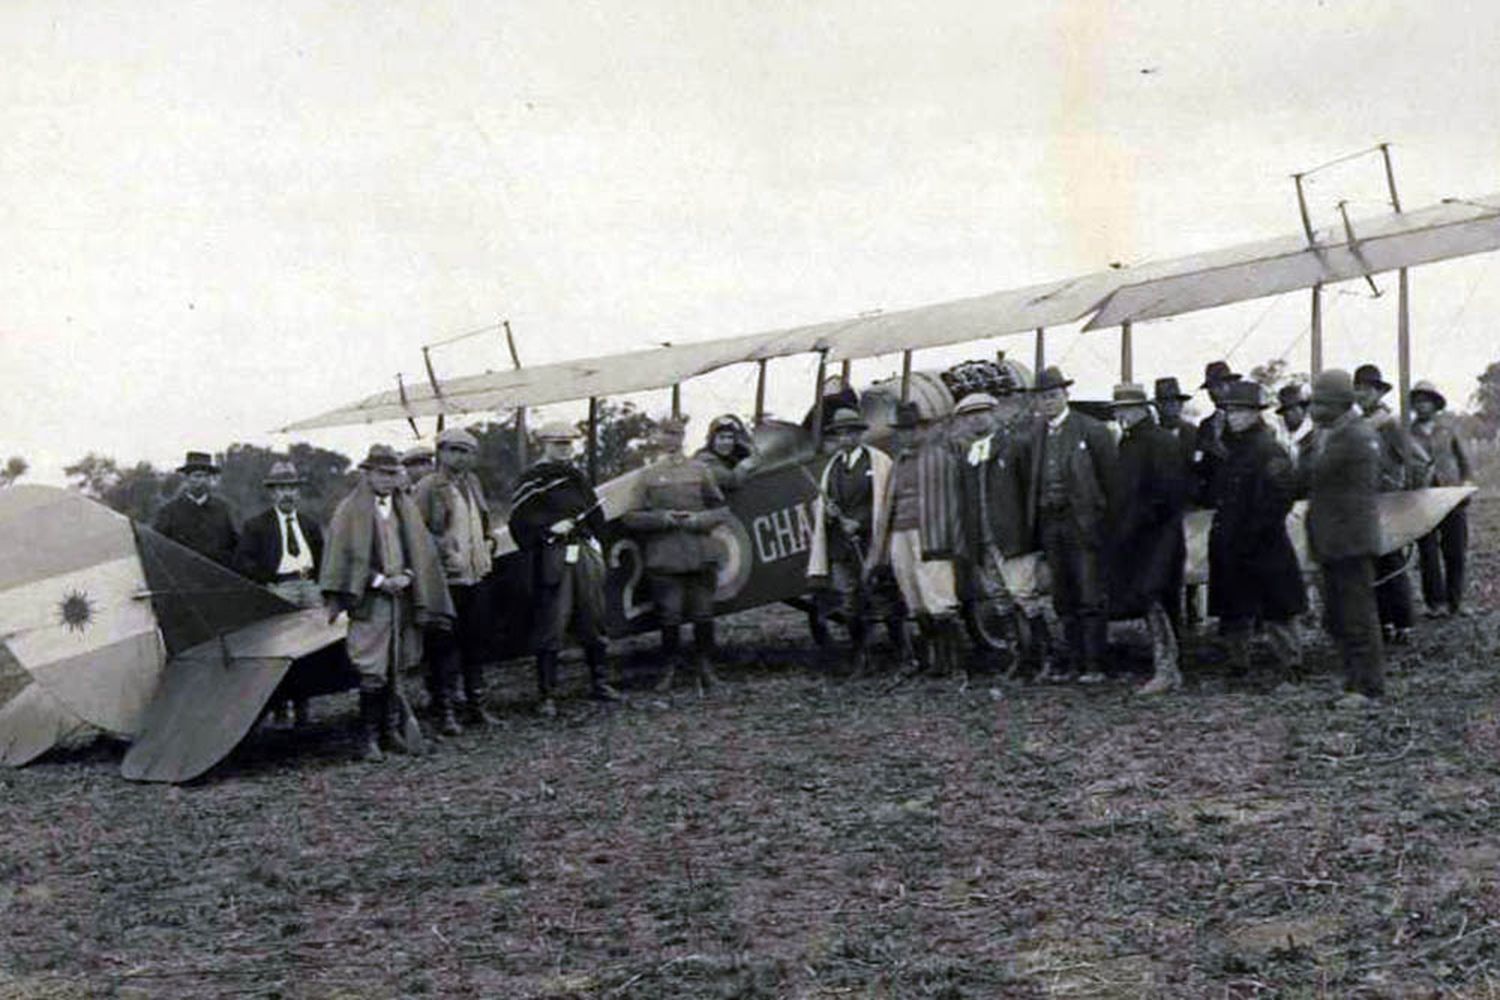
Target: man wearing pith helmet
[453,506]
[556,519]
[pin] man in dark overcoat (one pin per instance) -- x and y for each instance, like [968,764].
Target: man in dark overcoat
[1253,573]
[1341,468]
[1168,401]
[556,519]
[1403,466]
[1149,548]
[195,517]
[1209,446]
[1444,549]
[680,506]
[1071,483]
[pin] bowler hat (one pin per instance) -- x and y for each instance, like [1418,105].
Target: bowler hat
[383,457]
[845,419]
[1370,375]
[1167,388]
[198,461]
[1244,396]
[976,402]
[1333,385]
[1052,378]
[1425,388]
[907,415]
[283,474]
[417,455]
[1296,394]
[1128,394]
[557,430]
[457,437]
[1218,371]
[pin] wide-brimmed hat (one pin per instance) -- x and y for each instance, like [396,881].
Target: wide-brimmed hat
[1425,388]
[1216,372]
[1296,394]
[457,437]
[1051,378]
[1128,394]
[382,456]
[845,419]
[1370,375]
[907,415]
[1333,385]
[198,461]
[557,430]
[1244,396]
[1167,388]
[417,455]
[283,474]
[976,402]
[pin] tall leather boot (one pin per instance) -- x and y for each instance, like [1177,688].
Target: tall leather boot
[475,713]
[859,656]
[371,713]
[671,644]
[443,717]
[906,654]
[546,681]
[597,657]
[926,643]
[1165,674]
[951,638]
[392,730]
[703,654]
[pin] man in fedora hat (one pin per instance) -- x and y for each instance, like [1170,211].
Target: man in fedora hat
[1291,406]
[1341,470]
[1403,466]
[1253,573]
[1444,548]
[1069,474]
[452,504]
[845,551]
[1209,448]
[556,519]
[920,535]
[195,517]
[280,549]
[381,567]
[1149,549]
[680,506]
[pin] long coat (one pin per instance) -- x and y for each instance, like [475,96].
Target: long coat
[259,552]
[350,559]
[1252,567]
[1342,474]
[1149,548]
[877,465]
[994,499]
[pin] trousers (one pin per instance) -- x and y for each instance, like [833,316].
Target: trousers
[1079,594]
[1351,617]
[1443,553]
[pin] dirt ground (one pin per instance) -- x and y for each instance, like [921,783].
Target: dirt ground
[794,837]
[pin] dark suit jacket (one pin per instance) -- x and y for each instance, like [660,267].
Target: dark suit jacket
[1092,471]
[259,551]
[206,528]
[1342,473]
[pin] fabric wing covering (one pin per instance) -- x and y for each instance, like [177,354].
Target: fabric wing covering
[79,648]
[1149,291]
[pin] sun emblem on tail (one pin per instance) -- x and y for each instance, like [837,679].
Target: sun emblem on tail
[76,611]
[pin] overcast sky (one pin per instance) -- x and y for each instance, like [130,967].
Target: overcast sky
[220,217]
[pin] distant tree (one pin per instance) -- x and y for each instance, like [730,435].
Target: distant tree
[136,491]
[500,464]
[15,468]
[244,468]
[624,438]
[93,474]
[1486,400]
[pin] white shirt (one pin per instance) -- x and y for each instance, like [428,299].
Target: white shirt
[302,562]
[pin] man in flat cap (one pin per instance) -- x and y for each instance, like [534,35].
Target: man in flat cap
[680,506]
[419,462]
[1149,549]
[1070,474]
[1253,573]
[197,518]
[381,567]
[1444,548]
[452,504]
[556,519]
[1341,469]
[845,551]
[1403,466]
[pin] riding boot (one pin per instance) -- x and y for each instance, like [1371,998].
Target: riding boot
[546,681]
[926,643]
[859,656]
[906,656]
[940,647]
[597,658]
[951,637]
[475,713]
[392,732]
[671,644]
[703,654]
[1165,674]
[371,711]
[441,708]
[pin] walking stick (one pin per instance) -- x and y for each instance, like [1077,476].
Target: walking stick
[406,719]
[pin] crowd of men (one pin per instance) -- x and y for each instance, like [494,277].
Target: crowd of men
[1017,499]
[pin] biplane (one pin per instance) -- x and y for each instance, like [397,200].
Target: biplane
[106,626]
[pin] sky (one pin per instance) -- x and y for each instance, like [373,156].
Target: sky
[218,219]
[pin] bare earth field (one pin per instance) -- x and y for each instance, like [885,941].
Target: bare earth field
[793,837]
